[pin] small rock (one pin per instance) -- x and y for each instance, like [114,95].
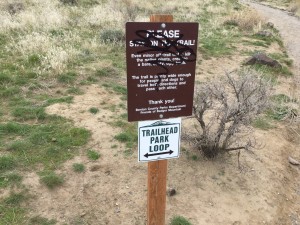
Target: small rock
[171,192]
[263,59]
[95,168]
[83,214]
[271,25]
[293,161]
[264,33]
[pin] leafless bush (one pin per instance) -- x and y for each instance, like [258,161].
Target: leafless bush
[225,110]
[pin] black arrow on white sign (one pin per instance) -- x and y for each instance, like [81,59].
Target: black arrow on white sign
[160,153]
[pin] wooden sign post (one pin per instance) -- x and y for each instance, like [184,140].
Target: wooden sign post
[161,61]
[157,171]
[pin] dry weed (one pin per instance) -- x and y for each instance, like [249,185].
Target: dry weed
[103,16]
[246,20]
[294,7]
[42,15]
[55,52]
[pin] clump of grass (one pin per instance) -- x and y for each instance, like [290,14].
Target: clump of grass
[281,98]
[78,167]
[92,154]
[106,72]
[112,36]
[93,110]
[29,112]
[278,112]
[10,179]
[9,91]
[194,157]
[67,99]
[116,88]
[38,220]
[51,179]
[14,128]
[75,91]
[15,199]
[179,220]
[11,212]
[262,123]
[216,43]
[5,78]
[46,144]
[7,163]
[33,60]
[67,78]
[123,137]
[128,137]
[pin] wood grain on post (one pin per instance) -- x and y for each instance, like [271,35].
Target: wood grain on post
[157,171]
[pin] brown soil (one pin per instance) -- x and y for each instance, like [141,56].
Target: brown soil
[112,191]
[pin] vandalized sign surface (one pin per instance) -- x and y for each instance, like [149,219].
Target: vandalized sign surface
[159,139]
[161,61]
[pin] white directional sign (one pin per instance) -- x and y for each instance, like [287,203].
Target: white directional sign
[159,139]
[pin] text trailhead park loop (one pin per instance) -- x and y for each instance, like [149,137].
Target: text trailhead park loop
[161,61]
[159,140]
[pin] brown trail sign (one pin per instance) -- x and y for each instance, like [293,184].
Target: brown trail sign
[161,60]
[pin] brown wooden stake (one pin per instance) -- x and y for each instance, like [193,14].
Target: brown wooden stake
[157,183]
[157,171]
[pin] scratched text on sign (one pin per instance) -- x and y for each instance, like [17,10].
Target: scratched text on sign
[161,60]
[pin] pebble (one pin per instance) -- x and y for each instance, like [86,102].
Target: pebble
[293,161]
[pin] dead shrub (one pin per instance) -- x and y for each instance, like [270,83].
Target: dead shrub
[225,110]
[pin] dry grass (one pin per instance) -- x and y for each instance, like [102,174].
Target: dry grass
[294,7]
[246,20]
[36,15]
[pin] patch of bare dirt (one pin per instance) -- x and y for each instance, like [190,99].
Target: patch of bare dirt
[113,189]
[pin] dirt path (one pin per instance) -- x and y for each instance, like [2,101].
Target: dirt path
[288,26]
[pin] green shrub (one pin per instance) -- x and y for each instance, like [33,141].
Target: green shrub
[14,199]
[179,220]
[93,155]
[78,167]
[34,60]
[94,110]
[51,180]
